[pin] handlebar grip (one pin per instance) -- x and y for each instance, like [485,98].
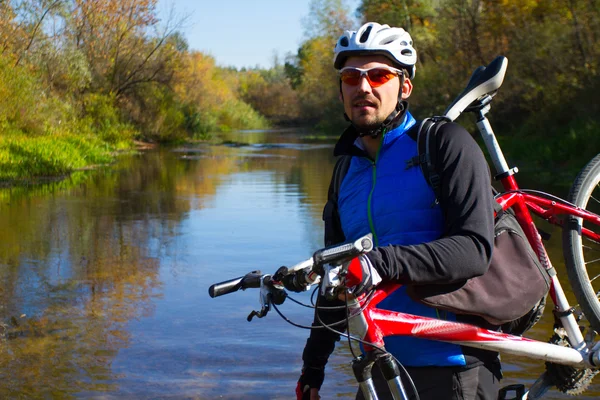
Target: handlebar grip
[345,251]
[226,287]
[251,280]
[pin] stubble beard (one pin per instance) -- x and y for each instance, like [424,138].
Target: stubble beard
[367,121]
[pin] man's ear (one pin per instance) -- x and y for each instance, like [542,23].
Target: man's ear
[407,88]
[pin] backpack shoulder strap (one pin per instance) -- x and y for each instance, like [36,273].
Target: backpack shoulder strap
[425,136]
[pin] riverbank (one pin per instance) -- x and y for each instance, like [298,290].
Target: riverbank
[26,160]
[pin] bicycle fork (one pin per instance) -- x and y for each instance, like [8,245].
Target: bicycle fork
[362,367]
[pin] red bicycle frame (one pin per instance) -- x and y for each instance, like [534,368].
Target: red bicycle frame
[380,323]
[383,323]
[373,324]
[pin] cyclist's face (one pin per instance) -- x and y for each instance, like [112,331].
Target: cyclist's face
[369,106]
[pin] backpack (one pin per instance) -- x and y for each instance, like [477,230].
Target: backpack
[512,292]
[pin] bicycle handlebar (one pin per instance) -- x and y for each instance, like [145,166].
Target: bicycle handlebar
[340,253]
[251,280]
[313,266]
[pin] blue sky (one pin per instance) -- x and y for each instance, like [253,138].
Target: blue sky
[242,33]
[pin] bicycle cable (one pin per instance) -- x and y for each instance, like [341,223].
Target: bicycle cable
[323,325]
[300,303]
[538,192]
[368,297]
[312,305]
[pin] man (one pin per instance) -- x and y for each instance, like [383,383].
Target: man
[418,240]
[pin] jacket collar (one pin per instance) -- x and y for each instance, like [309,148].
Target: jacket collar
[346,143]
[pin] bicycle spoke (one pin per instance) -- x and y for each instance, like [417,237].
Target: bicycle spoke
[592,261]
[589,245]
[594,278]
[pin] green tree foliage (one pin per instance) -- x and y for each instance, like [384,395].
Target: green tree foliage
[311,72]
[108,71]
[416,16]
[552,46]
[210,97]
[271,93]
[326,18]
[319,88]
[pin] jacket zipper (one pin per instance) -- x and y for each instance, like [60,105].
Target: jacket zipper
[369,202]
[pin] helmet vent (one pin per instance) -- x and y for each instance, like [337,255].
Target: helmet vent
[406,52]
[365,36]
[389,39]
[344,41]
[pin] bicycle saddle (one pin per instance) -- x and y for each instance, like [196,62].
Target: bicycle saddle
[484,81]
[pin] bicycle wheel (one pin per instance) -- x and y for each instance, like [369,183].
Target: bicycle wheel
[582,255]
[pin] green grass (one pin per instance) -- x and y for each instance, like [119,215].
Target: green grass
[26,157]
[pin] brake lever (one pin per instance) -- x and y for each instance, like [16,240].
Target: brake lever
[258,314]
[331,280]
[270,293]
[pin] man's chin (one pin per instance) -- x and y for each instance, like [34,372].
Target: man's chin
[364,126]
[366,121]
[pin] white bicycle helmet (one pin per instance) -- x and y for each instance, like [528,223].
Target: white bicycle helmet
[373,38]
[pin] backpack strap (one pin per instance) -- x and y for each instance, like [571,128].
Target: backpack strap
[426,139]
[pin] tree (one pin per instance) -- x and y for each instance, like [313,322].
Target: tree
[123,42]
[270,93]
[312,73]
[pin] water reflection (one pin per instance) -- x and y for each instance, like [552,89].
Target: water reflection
[104,277]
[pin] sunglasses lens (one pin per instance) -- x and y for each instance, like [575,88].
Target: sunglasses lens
[350,77]
[379,76]
[375,76]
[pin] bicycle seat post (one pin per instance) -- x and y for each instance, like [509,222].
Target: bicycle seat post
[487,133]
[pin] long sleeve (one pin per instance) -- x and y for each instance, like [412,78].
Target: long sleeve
[465,248]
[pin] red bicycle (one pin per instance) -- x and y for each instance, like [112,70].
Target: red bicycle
[572,360]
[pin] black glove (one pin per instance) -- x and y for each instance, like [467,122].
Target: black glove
[311,378]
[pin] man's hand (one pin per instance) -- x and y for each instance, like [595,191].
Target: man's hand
[361,275]
[310,394]
[309,383]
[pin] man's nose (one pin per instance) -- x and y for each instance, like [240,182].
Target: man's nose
[363,84]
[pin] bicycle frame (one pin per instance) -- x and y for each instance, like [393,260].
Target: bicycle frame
[545,208]
[373,324]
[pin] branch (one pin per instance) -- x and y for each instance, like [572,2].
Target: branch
[166,34]
[37,26]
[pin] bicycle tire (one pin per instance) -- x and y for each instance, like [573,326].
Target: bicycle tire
[582,256]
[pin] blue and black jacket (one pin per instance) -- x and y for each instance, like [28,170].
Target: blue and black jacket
[418,241]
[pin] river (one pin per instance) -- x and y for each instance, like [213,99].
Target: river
[104,276]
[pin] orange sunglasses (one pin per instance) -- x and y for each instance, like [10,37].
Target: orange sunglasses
[376,76]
